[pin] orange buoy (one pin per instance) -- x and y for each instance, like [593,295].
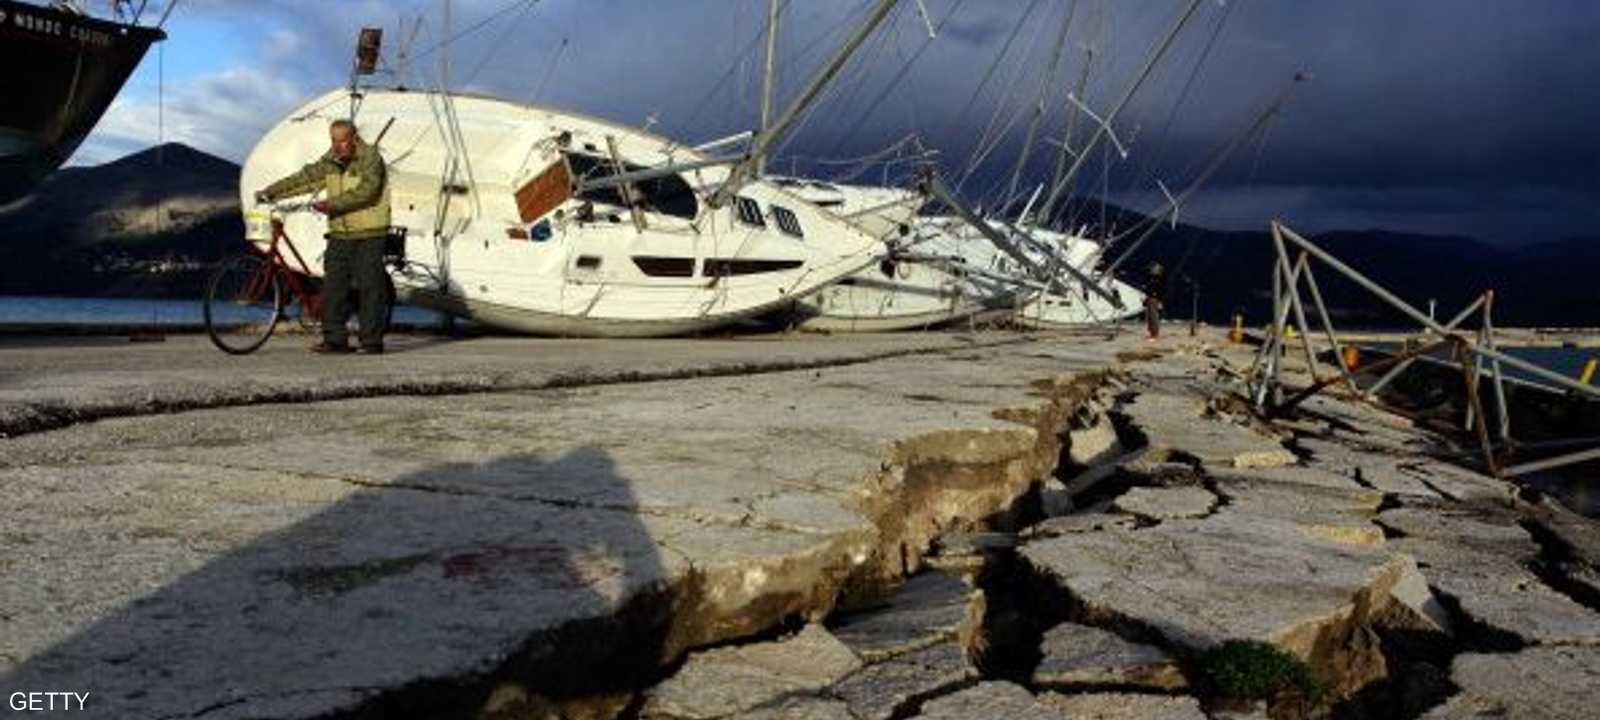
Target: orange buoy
[1351,357]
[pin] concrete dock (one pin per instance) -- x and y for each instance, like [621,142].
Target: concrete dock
[934,525]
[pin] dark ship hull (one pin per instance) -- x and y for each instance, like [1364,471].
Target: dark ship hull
[62,70]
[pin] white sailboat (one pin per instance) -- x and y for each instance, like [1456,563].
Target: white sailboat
[897,292]
[546,221]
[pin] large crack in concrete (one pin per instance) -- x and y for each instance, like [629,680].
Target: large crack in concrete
[929,485]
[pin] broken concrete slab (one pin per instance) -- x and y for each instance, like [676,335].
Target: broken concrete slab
[1125,706]
[1094,444]
[989,700]
[729,680]
[1341,515]
[1483,566]
[1165,503]
[1290,475]
[255,557]
[1457,483]
[799,708]
[1175,422]
[930,608]
[887,689]
[1077,523]
[1197,583]
[1381,472]
[1079,656]
[1547,683]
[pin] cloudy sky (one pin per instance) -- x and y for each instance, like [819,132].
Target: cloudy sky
[1471,117]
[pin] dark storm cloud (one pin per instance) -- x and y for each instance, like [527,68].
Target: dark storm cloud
[1471,118]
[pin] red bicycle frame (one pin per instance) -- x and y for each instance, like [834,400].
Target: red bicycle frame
[310,301]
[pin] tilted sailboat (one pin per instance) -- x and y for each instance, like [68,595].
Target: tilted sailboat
[551,222]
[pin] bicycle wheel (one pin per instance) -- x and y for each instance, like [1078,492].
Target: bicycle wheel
[243,302]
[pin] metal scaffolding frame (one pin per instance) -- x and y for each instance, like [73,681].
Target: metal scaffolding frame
[1471,354]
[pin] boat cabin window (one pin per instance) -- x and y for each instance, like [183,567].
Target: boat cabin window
[656,266]
[728,267]
[787,222]
[749,211]
[665,195]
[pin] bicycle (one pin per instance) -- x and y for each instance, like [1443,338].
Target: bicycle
[245,297]
[252,286]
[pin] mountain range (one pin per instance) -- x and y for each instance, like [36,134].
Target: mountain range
[149,224]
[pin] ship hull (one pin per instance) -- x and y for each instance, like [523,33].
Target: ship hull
[66,70]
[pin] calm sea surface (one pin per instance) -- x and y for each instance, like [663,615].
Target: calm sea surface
[25,310]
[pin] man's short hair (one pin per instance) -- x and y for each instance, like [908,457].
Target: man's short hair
[342,123]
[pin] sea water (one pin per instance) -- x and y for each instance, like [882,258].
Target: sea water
[89,312]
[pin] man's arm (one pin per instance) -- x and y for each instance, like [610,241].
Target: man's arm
[308,179]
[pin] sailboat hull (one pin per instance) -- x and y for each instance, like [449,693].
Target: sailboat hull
[63,70]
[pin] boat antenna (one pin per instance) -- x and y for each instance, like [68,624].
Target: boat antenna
[786,122]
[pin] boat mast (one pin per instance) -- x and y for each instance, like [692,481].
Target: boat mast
[769,83]
[1038,108]
[770,138]
[1105,125]
[1066,139]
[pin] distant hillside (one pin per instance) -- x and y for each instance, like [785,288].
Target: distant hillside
[123,228]
[1548,284]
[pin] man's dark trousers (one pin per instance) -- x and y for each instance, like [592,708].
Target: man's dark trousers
[354,263]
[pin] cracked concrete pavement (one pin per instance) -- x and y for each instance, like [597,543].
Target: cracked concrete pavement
[307,558]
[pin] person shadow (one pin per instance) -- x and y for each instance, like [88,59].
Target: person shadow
[510,588]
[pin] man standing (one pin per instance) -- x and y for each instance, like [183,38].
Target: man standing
[1155,295]
[357,205]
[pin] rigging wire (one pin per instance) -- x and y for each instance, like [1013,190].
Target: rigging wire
[955,122]
[1039,106]
[706,101]
[471,29]
[1150,160]
[499,41]
[995,133]
[861,74]
[549,72]
[894,81]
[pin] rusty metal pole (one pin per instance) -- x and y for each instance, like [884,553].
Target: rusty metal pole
[1475,404]
[1327,326]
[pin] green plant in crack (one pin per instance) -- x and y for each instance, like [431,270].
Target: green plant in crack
[1253,670]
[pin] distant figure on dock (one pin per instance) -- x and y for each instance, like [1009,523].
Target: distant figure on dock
[1155,295]
[357,206]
